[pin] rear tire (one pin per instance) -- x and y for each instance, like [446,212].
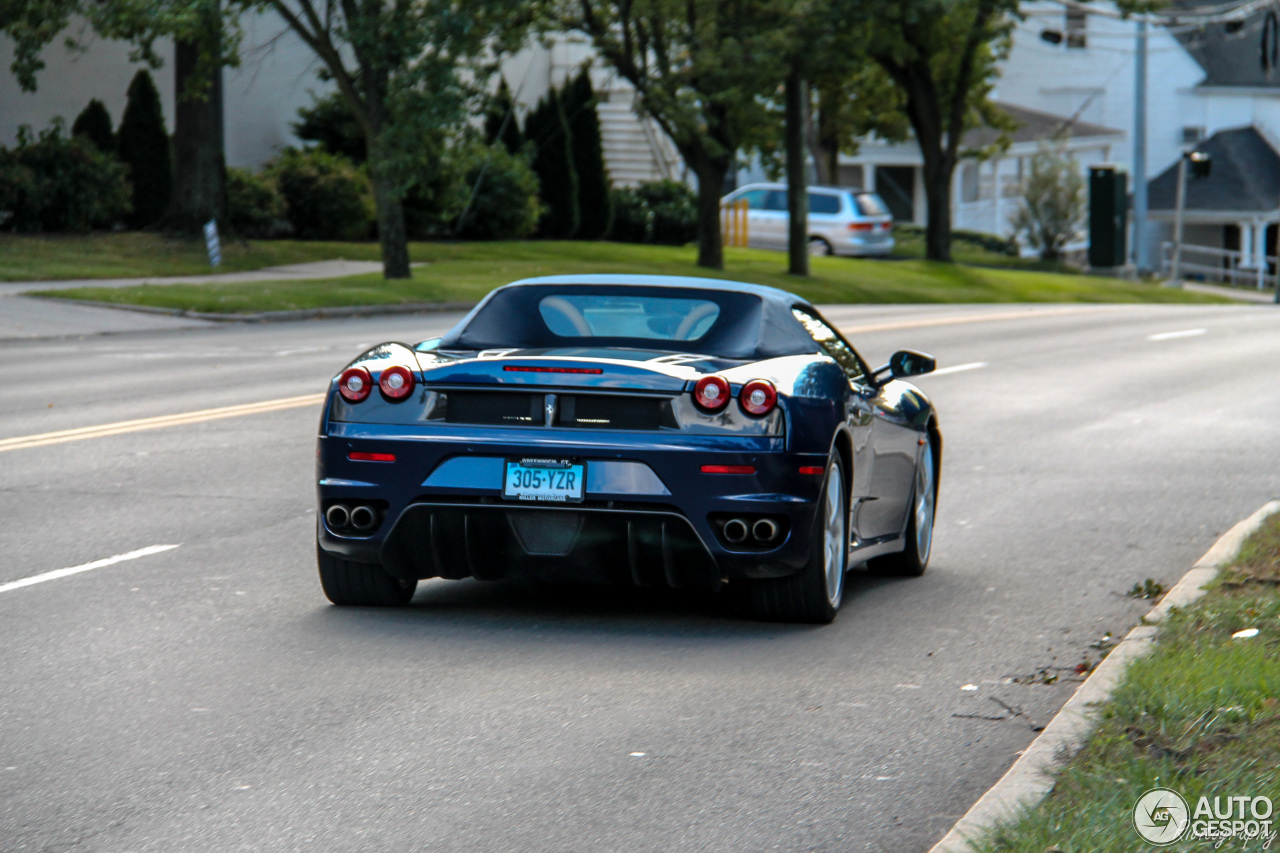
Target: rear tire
[913,559]
[819,246]
[360,584]
[812,595]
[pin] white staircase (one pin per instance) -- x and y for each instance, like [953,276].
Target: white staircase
[635,149]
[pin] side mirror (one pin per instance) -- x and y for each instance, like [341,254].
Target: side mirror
[907,362]
[902,364]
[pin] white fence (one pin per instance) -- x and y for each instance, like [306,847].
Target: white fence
[1232,267]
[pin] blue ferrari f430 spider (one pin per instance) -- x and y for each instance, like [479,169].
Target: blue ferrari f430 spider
[642,430]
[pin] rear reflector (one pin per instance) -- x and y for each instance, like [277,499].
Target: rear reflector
[361,456]
[728,469]
[812,470]
[516,369]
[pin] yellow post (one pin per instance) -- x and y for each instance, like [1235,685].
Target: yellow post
[733,223]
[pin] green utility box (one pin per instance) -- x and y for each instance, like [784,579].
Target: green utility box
[1108,216]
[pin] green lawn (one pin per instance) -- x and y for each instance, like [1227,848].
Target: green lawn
[463,272]
[135,254]
[1200,715]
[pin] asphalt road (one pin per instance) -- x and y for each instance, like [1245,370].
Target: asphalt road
[207,697]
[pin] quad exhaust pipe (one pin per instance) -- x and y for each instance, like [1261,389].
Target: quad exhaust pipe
[360,517]
[764,531]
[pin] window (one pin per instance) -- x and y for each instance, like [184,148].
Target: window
[775,200]
[1077,23]
[754,199]
[833,345]
[653,317]
[824,203]
[870,204]
[1192,134]
[969,182]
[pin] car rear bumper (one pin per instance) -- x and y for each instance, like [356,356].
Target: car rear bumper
[666,528]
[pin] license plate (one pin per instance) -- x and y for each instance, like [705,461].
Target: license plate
[544,480]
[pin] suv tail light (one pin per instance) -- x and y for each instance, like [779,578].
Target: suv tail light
[354,384]
[396,382]
[862,226]
[758,397]
[712,393]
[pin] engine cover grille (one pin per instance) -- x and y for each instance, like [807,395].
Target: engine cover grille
[546,533]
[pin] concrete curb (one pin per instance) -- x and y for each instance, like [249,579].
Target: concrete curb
[1030,779]
[277,316]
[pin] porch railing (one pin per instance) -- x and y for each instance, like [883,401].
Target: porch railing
[1226,265]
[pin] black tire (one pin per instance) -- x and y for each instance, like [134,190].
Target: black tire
[819,246]
[913,559]
[813,594]
[360,584]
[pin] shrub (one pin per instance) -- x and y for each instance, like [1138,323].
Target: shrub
[1052,208]
[595,210]
[143,145]
[664,212]
[54,183]
[255,207]
[94,123]
[326,196]
[329,122]
[505,202]
[557,184]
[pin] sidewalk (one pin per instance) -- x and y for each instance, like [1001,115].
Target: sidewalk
[1239,294]
[314,270]
[29,317]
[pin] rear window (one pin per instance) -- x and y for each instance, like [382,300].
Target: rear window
[824,203]
[609,316]
[869,204]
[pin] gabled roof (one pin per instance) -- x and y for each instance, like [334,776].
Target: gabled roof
[1244,176]
[1230,54]
[1034,126]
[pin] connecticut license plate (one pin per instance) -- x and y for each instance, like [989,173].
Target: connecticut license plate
[544,480]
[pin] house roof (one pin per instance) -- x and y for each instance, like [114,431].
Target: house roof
[1230,54]
[1033,126]
[1244,176]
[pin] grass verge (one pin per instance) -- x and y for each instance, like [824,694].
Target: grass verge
[462,272]
[1200,715]
[137,254]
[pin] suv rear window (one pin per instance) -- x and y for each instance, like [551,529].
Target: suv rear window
[869,204]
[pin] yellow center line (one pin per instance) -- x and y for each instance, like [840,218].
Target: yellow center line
[971,318]
[24,442]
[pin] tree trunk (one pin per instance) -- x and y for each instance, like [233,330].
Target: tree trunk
[797,181]
[199,165]
[391,230]
[937,192]
[711,173]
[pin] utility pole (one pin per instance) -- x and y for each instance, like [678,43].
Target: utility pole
[1175,270]
[1141,255]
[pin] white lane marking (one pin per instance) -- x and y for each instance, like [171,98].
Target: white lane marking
[1186,333]
[973,365]
[87,567]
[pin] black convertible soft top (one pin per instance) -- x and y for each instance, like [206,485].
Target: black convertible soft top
[754,322]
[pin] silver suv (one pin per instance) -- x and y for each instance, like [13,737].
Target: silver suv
[842,221]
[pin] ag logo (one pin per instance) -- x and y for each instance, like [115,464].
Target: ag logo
[1161,816]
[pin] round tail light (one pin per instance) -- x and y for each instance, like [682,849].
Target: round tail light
[354,384]
[396,382]
[712,393]
[758,397]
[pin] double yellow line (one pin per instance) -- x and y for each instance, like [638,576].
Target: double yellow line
[24,442]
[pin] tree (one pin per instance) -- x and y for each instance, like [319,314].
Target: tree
[546,129]
[330,123]
[500,122]
[1053,201]
[94,124]
[942,55]
[595,208]
[206,37]
[144,146]
[409,71]
[702,70]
